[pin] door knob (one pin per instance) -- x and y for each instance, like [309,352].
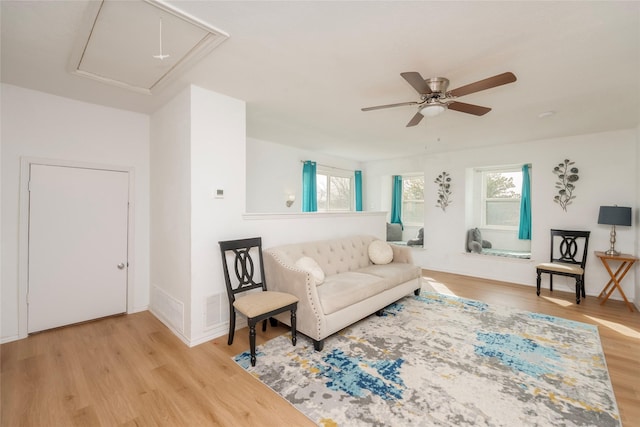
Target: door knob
[121,266]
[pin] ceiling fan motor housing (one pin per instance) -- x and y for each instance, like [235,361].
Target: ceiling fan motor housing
[438,84]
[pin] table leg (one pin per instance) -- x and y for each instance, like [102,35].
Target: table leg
[612,275]
[616,278]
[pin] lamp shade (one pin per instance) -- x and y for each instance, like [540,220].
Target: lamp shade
[614,215]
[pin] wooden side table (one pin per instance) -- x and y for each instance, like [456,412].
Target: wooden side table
[626,261]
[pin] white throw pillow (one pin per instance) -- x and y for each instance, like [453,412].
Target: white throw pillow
[310,265]
[380,252]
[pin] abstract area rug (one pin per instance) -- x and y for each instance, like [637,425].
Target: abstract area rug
[436,360]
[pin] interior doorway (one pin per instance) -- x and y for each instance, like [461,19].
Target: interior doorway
[77,244]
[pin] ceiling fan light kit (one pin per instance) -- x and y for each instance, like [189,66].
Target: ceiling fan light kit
[432,110]
[435,99]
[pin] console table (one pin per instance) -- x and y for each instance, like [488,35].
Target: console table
[626,261]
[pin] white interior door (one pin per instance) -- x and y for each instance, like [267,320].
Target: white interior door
[77,245]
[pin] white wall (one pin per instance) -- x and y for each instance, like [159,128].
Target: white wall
[39,125]
[602,182]
[198,147]
[274,171]
[218,152]
[170,217]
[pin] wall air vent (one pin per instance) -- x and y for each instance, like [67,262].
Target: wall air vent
[140,45]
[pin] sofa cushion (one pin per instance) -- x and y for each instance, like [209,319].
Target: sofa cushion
[399,272]
[310,265]
[380,252]
[345,289]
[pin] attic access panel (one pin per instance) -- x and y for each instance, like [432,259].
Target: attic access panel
[120,38]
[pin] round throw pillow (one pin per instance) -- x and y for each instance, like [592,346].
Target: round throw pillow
[380,252]
[310,265]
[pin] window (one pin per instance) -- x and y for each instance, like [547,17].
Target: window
[501,198]
[335,189]
[413,200]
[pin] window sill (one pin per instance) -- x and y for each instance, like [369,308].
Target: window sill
[293,215]
[402,243]
[500,257]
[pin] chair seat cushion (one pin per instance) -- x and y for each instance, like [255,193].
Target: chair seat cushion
[559,267]
[256,303]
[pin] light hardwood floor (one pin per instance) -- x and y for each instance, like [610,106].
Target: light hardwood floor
[132,371]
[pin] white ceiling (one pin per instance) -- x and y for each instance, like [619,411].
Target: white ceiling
[305,68]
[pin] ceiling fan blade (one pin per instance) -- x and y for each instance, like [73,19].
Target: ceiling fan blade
[379,107]
[415,79]
[488,83]
[415,119]
[463,107]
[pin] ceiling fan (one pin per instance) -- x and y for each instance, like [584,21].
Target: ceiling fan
[435,99]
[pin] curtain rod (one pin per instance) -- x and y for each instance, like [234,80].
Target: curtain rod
[330,167]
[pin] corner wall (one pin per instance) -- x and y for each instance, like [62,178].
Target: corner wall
[218,157]
[170,216]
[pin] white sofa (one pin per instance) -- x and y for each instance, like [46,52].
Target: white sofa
[353,286]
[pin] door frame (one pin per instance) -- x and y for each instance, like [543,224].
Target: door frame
[23,230]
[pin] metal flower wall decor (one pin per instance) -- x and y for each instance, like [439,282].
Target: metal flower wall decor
[444,190]
[567,176]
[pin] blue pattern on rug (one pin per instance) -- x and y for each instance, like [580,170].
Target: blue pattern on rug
[561,321]
[347,374]
[437,360]
[520,354]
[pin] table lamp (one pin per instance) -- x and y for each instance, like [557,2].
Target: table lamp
[614,215]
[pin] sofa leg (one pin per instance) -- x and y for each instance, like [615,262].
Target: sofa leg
[416,292]
[318,345]
[380,313]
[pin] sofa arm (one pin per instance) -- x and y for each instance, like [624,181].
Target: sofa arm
[402,254]
[285,277]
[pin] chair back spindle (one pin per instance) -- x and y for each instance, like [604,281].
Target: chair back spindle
[569,244]
[244,258]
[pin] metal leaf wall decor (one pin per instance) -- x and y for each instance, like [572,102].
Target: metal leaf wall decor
[567,176]
[444,190]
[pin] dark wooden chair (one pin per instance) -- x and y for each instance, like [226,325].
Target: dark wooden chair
[244,258]
[568,258]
